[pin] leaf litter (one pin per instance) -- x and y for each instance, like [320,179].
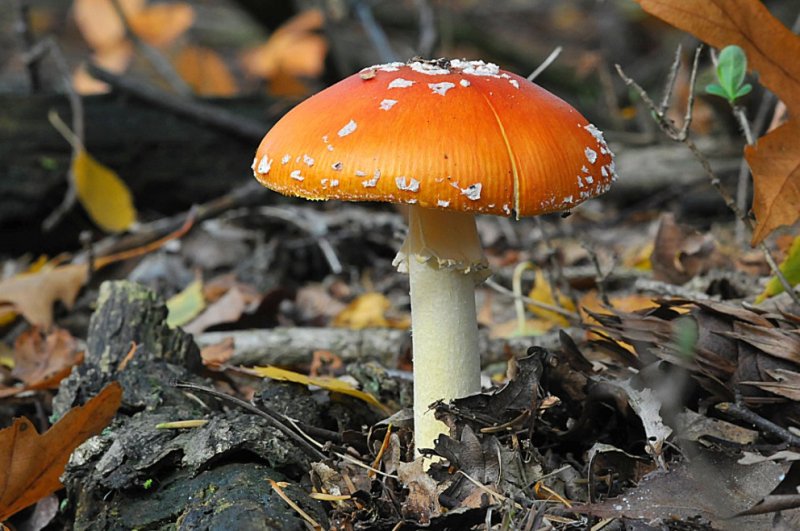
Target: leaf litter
[616,419]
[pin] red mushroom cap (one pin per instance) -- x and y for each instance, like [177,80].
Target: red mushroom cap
[458,135]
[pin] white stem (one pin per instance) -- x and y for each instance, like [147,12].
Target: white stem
[443,317]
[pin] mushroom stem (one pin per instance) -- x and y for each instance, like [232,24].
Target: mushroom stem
[444,260]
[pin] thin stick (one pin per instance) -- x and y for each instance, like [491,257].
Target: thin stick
[75,137]
[682,136]
[241,126]
[739,412]
[572,316]
[267,415]
[427,28]
[547,62]
[28,40]
[375,32]
[153,56]
[670,84]
[278,488]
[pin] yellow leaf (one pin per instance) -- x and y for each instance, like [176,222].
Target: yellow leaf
[365,311]
[790,267]
[102,193]
[186,305]
[543,292]
[331,384]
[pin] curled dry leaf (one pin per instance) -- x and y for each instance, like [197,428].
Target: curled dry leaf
[294,49]
[32,463]
[40,361]
[33,294]
[206,72]
[772,51]
[161,24]
[680,253]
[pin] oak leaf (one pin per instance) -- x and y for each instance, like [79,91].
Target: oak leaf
[206,72]
[772,51]
[293,49]
[42,361]
[32,463]
[33,294]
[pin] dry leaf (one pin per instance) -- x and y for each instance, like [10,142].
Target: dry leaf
[206,72]
[772,51]
[186,305]
[40,361]
[293,49]
[33,463]
[543,292]
[368,311]
[99,23]
[331,384]
[33,294]
[227,309]
[106,198]
[680,253]
[115,59]
[161,24]
[775,163]
[217,354]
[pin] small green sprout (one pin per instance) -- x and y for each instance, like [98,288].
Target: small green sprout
[148,484]
[731,69]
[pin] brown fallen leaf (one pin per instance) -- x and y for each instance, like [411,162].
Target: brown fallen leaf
[205,71]
[680,253]
[772,51]
[33,294]
[293,50]
[227,309]
[41,361]
[33,463]
[217,354]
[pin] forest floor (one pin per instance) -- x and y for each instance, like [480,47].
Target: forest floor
[181,347]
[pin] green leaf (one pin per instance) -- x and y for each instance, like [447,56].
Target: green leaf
[790,267]
[744,90]
[716,90]
[186,305]
[731,71]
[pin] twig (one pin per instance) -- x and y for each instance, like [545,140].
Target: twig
[75,136]
[670,85]
[315,226]
[271,417]
[245,128]
[247,194]
[375,32]
[427,28]
[153,56]
[740,412]
[767,102]
[682,136]
[547,62]
[600,277]
[28,40]
[571,316]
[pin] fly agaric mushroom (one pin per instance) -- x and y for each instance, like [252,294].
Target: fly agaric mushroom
[451,139]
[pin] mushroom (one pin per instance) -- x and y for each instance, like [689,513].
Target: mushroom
[451,139]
